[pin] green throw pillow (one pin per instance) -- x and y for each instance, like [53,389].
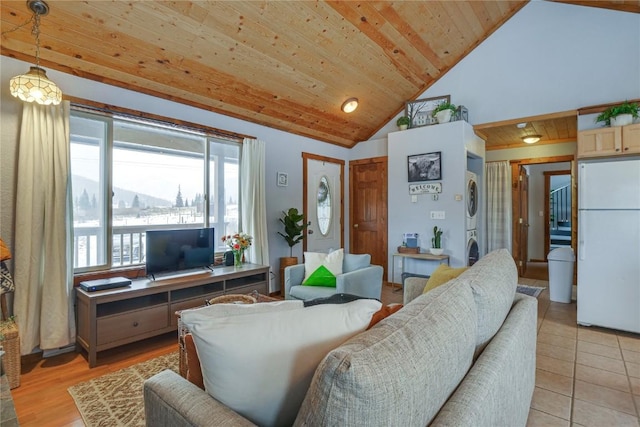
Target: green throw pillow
[321,269]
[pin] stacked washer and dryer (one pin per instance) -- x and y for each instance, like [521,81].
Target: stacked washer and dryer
[472,197]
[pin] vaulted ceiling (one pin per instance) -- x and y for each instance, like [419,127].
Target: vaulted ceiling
[284,64]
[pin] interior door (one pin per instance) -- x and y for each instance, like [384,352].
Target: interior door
[551,220]
[524,220]
[323,188]
[368,208]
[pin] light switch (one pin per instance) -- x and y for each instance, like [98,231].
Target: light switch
[437,215]
[414,198]
[458,197]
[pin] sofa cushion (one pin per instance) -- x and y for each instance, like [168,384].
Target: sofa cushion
[442,275]
[321,269]
[401,371]
[259,359]
[493,279]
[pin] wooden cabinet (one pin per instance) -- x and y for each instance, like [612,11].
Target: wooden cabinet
[609,141]
[146,308]
[631,139]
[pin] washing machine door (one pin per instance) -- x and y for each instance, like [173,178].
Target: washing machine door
[473,254]
[472,198]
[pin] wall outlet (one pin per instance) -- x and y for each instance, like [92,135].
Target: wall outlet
[437,215]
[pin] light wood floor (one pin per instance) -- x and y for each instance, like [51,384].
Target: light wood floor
[585,376]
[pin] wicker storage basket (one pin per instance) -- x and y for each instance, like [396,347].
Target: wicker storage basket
[11,346]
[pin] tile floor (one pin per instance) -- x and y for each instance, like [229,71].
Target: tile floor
[585,376]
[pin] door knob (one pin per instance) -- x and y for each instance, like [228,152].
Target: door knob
[355,225]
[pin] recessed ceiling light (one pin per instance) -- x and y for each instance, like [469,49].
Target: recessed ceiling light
[521,125]
[350,105]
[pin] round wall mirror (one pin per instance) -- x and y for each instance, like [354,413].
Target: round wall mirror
[323,206]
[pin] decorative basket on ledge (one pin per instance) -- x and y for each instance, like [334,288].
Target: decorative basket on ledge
[406,250]
[10,343]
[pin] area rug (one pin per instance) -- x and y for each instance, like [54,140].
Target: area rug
[116,399]
[533,291]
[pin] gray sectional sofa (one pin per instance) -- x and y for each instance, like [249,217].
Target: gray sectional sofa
[461,355]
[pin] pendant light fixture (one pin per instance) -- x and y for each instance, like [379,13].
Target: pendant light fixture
[531,139]
[34,86]
[528,139]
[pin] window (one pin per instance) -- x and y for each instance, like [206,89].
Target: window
[158,177]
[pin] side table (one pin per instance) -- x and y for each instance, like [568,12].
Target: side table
[421,256]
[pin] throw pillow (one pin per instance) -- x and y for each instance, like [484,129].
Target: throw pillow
[194,370]
[5,254]
[259,359]
[384,312]
[321,269]
[442,275]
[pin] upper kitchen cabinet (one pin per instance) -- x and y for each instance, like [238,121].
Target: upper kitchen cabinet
[609,141]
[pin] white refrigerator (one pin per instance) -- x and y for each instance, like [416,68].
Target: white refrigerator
[609,244]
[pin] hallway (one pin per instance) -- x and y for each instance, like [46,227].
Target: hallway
[537,271]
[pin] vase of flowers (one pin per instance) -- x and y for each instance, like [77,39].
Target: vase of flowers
[238,243]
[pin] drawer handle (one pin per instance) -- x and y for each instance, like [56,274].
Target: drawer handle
[626,148]
[135,324]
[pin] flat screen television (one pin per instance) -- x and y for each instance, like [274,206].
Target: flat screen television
[177,250]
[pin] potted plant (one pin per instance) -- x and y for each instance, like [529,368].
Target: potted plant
[403,122]
[619,115]
[294,227]
[443,111]
[436,241]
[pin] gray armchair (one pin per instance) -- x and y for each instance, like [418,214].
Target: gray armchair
[358,277]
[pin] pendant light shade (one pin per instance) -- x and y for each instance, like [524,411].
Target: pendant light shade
[34,86]
[531,139]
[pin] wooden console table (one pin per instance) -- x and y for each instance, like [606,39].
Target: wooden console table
[421,256]
[113,317]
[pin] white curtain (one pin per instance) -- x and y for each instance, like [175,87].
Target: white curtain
[254,199]
[499,207]
[43,271]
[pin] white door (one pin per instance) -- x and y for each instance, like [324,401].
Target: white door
[323,205]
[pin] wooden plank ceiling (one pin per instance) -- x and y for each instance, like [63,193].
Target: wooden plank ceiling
[284,64]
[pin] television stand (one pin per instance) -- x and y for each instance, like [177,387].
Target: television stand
[114,317]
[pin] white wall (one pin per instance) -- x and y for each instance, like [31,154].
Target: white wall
[548,57]
[407,216]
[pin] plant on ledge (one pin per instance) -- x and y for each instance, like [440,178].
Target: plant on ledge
[616,110]
[444,105]
[444,111]
[403,122]
[293,228]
